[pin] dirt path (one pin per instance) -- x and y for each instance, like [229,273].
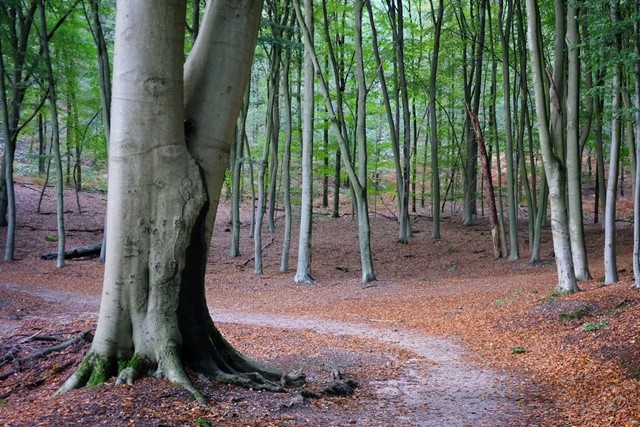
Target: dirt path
[436,387]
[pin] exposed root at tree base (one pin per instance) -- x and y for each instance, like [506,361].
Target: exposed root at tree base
[96,369]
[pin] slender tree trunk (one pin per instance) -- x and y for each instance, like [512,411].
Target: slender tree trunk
[358,181]
[274,117]
[303,271]
[104,72]
[252,175]
[525,126]
[486,172]
[8,168]
[56,135]
[393,132]
[405,222]
[433,117]
[42,145]
[286,162]
[337,181]
[629,137]
[601,187]
[553,167]
[236,179]
[576,227]
[471,167]
[360,186]
[21,19]
[325,172]
[636,195]
[506,88]
[610,263]
[261,205]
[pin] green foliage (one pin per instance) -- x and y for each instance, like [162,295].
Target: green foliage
[203,422]
[592,327]
[577,314]
[513,296]
[518,350]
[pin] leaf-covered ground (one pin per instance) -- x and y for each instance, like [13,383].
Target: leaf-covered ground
[446,336]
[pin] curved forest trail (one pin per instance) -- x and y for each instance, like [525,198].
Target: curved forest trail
[434,385]
[438,387]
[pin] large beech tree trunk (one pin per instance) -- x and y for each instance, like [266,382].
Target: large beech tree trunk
[164,194]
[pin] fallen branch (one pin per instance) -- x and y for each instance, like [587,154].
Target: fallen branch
[80,252]
[10,355]
[86,336]
[263,248]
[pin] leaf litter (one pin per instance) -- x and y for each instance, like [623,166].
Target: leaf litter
[430,343]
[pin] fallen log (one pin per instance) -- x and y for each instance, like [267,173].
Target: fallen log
[79,252]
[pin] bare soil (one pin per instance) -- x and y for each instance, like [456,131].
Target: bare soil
[448,336]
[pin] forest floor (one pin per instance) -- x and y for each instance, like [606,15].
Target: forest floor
[447,336]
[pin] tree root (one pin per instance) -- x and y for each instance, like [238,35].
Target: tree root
[229,366]
[224,364]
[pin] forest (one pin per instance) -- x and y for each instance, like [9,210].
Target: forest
[296,197]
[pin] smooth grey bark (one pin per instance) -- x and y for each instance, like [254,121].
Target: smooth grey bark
[514,252]
[636,195]
[629,137]
[473,98]
[267,203]
[44,41]
[553,166]
[236,179]
[610,262]
[358,179]
[540,216]
[252,185]
[274,135]
[574,167]
[360,187]
[493,131]
[435,167]
[405,222]
[498,250]
[42,144]
[393,126]
[337,182]
[401,152]
[338,66]
[601,186]
[524,125]
[21,18]
[104,72]
[164,195]
[8,169]
[325,163]
[557,85]
[261,205]
[104,67]
[286,163]
[303,270]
